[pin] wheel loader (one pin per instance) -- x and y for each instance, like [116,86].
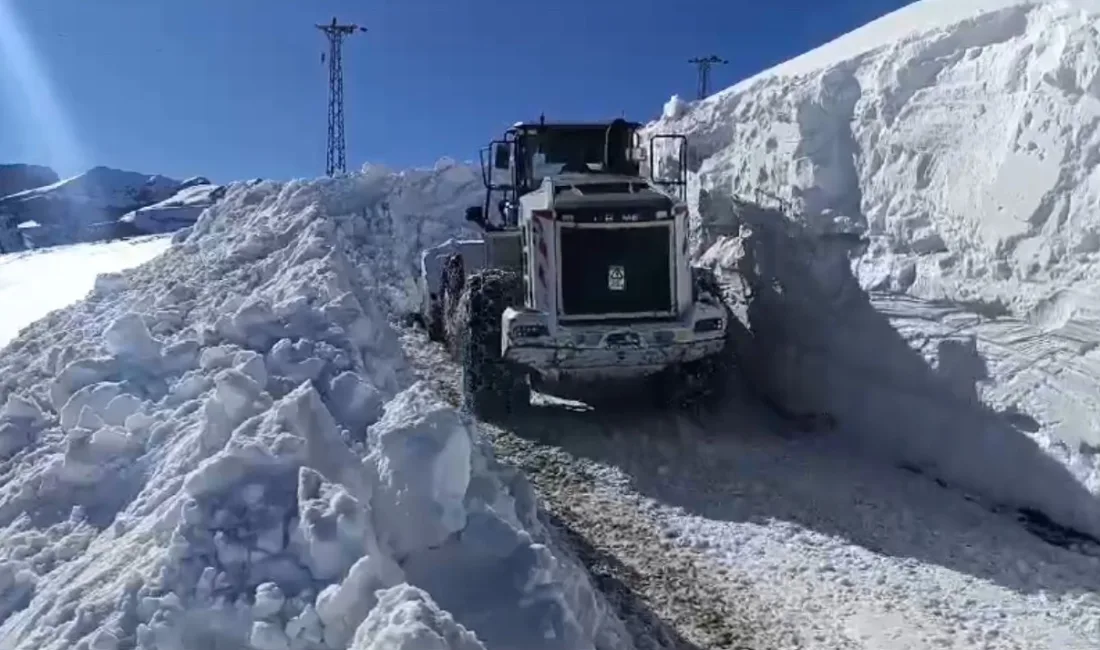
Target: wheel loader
[581,278]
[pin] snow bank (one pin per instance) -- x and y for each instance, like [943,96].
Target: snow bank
[959,134]
[815,342]
[224,447]
[944,154]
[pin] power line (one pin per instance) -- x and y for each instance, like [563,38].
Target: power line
[704,65]
[336,159]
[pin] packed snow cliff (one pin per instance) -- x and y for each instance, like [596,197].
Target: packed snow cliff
[958,136]
[225,447]
[943,160]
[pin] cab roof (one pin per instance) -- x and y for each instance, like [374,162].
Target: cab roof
[603,124]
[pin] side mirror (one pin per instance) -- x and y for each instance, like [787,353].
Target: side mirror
[502,156]
[475,214]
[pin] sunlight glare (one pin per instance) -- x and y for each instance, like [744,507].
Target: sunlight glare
[29,92]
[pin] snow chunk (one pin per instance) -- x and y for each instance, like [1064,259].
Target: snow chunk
[674,108]
[408,619]
[421,448]
[128,338]
[269,600]
[343,607]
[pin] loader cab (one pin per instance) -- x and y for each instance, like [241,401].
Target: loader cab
[530,152]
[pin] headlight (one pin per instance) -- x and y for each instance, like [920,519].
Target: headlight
[708,325]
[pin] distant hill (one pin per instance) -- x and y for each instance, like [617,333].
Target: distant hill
[90,206]
[19,177]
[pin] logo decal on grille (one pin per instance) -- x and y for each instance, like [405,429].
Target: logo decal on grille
[616,278]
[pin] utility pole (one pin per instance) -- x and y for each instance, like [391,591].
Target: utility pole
[704,65]
[336,160]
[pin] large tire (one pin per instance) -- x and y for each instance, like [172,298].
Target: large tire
[702,384]
[433,320]
[450,293]
[693,386]
[491,386]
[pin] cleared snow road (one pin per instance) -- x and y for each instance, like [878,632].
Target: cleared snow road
[739,532]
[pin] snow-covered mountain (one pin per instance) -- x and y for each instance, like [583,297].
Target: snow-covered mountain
[18,177]
[178,211]
[84,207]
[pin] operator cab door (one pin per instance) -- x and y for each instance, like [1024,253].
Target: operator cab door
[497,165]
[667,163]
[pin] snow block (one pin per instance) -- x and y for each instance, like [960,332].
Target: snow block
[407,618]
[421,449]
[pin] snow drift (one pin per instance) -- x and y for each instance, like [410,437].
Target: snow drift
[225,447]
[942,158]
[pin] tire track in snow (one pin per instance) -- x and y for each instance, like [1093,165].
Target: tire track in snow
[669,596]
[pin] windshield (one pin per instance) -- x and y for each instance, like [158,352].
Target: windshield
[564,150]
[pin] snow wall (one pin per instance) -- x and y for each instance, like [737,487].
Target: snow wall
[941,163]
[225,447]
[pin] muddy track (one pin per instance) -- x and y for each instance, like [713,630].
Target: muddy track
[667,595]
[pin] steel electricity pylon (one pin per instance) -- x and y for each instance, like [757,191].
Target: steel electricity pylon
[704,64]
[336,158]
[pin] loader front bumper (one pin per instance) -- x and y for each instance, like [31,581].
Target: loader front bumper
[611,350]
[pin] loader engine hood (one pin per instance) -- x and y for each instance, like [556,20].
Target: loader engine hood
[609,194]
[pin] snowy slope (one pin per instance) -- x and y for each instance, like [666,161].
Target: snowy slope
[34,283]
[942,158]
[225,447]
[180,210]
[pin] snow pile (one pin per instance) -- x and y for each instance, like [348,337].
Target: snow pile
[405,212]
[33,283]
[944,152]
[178,211]
[84,207]
[224,447]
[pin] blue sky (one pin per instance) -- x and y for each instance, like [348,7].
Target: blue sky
[235,89]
